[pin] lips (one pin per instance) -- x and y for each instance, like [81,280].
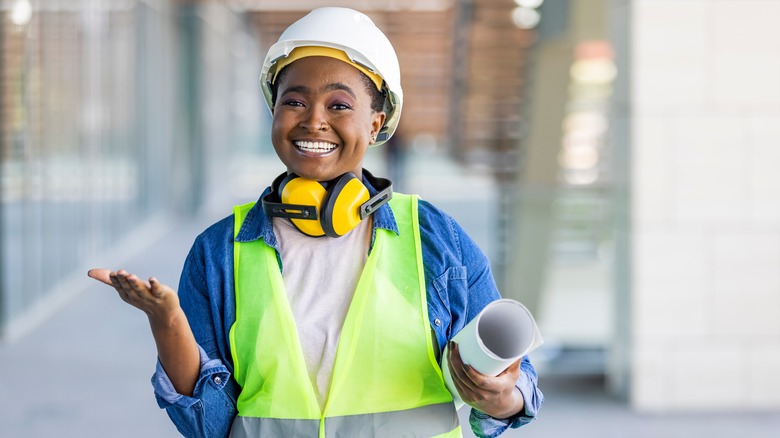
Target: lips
[315,146]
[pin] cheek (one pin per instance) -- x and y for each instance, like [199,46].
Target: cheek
[277,136]
[278,118]
[279,124]
[365,124]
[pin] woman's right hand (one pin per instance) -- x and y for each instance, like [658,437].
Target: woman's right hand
[154,298]
[176,346]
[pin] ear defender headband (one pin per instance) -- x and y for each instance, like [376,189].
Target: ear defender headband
[331,208]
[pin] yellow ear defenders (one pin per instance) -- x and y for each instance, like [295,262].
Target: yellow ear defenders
[331,208]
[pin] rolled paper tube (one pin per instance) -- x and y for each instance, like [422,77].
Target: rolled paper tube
[503,332]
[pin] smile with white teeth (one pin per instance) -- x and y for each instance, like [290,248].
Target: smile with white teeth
[314,146]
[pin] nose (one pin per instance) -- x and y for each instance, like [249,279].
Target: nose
[314,121]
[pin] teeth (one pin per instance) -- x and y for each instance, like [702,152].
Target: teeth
[315,146]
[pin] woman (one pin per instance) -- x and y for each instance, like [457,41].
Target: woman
[323,308]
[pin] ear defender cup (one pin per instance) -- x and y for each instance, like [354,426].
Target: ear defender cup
[331,208]
[341,208]
[296,190]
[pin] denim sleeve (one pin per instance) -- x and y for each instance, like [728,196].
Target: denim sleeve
[203,286]
[210,410]
[460,285]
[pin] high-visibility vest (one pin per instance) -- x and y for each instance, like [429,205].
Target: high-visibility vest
[386,381]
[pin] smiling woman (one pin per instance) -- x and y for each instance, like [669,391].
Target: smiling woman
[323,308]
[323,120]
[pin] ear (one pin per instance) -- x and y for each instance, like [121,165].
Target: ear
[377,121]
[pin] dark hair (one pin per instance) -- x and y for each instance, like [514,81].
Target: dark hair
[377,97]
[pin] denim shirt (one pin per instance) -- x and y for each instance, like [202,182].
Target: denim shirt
[458,281]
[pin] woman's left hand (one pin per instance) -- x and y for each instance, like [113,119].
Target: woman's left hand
[496,396]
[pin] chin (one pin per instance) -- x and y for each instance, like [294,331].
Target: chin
[318,175]
[325,173]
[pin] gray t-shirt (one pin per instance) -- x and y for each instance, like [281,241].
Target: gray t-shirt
[320,276]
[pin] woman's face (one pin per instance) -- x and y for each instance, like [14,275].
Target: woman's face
[323,121]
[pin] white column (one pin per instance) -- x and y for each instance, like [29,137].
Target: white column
[705,257]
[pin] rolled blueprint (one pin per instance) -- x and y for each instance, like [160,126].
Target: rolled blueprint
[503,332]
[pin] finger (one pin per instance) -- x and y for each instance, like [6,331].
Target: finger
[505,379]
[464,392]
[128,281]
[128,290]
[477,379]
[454,364]
[102,275]
[115,281]
[480,384]
[458,362]
[121,279]
[457,370]
[139,286]
[118,287]
[454,355]
[468,393]
[140,290]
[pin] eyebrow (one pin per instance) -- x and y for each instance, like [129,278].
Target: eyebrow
[332,86]
[340,86]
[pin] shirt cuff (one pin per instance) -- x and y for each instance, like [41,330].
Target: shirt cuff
[211,371]
[485,426]
[532,397]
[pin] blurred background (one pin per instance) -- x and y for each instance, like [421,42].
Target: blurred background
[616,159]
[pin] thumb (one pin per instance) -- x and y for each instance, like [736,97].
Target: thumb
[158,289]
[102,275]
[513,369]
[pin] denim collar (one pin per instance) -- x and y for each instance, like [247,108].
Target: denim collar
[257,225]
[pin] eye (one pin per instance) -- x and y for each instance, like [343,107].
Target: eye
[292,102]
[340,106]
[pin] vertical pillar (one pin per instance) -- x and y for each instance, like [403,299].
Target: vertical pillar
[190,178]
[531,217]
[618,367]
[3,254]
[705,241]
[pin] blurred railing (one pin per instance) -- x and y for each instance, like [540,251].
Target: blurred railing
[111,115]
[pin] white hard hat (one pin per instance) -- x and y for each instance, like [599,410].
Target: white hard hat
[356,35]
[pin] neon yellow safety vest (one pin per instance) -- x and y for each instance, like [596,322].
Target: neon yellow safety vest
[386,381]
